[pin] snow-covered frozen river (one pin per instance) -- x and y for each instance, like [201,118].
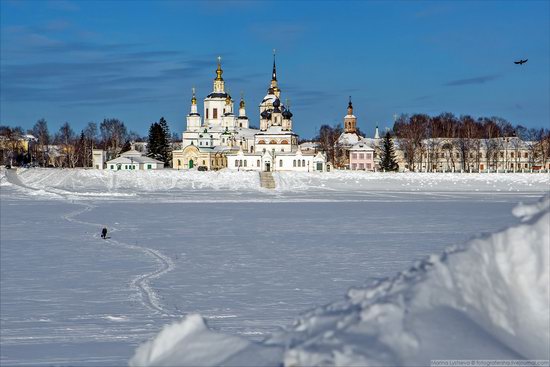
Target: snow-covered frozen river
[249,261]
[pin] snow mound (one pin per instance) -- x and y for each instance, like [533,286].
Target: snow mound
[92,181]
[3,178]
[411,181]
[488,299]
[191,343]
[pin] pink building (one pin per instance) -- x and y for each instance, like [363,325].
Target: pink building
[361,157]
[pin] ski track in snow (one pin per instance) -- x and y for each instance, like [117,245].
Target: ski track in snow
[140,283]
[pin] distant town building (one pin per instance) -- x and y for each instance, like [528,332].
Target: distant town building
[361,157]
[98,158]
[133,160]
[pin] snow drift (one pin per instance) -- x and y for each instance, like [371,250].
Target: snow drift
[93,181]
[488,299]
[411,181]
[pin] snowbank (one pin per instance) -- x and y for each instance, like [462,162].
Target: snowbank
[191,343]
[410,181]
[89,180]
[3,177]
[486,300]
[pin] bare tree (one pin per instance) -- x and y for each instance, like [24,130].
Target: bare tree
[65,137]
[328,142]
[543,147]
[88,141]
[113,134]
[42,134]
[410,133]
[468,132]
[13,145]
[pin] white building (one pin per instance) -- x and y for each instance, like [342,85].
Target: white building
[134,160]
[222,139]
[98,158]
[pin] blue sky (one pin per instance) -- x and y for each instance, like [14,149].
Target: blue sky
[81,61]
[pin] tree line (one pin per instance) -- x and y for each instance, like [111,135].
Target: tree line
[66,148]
[422,137]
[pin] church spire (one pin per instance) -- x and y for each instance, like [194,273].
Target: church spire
[273,87]
[350,121]
[194,103]
[241,104]
[274,74]
[219,71]
[242,111]
[219,84]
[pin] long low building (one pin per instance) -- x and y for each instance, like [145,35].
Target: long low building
[133,160]
[290,161]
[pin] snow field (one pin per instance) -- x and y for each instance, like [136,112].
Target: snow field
[249,261]
[488,299]
[94,183]
[410,181]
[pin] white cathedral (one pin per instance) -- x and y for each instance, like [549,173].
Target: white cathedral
[224,140]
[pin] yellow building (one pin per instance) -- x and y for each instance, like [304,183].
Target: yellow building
[193,157]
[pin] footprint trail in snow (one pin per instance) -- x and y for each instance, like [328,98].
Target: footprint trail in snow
[141,283]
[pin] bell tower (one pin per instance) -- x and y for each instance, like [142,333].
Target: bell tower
[350,121]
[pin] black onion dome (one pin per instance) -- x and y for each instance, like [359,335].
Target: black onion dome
[287,114]
[218,95]
[277,103]
[265,114]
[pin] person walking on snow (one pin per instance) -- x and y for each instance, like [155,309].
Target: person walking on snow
[104,233]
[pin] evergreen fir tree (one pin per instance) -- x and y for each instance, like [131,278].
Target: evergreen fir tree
[158,146]
[126,147]
[166,141]
[153,142]
[387,156]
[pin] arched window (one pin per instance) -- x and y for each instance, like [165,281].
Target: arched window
[294,163]
[280,162]
[245,162]
[179,162]
[299,165]
[258,163]
[303,162]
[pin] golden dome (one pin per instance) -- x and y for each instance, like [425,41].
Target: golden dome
[219,70]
